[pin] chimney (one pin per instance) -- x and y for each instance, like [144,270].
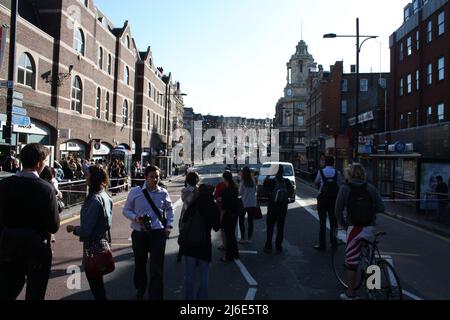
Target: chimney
[353,68]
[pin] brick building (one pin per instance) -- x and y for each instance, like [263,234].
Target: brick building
[417,147]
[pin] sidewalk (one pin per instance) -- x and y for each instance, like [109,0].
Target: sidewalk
[409,215]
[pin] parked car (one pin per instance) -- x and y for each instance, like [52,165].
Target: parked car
[270,169]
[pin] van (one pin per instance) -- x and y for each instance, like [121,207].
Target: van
[270,169]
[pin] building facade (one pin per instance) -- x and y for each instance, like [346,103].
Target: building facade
[417,146]
[291,108]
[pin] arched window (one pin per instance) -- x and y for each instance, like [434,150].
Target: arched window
[107,107]
[125,112]
[78,41]
[26,70]
[109,63]
[98,103]
[127,75]
[100,58]
[77,94]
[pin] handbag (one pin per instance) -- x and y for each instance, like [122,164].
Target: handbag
[99,259]
[255,213]
[61,204]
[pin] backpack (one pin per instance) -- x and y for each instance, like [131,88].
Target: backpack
[280,192]
[360,208]
[193,232]
[330,187]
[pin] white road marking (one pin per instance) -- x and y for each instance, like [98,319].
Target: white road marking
[411,295]
[248,252]
[250,280]
[251,293]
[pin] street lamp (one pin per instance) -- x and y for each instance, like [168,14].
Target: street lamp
[358,50]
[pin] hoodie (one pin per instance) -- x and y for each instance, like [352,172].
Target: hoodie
[342,198]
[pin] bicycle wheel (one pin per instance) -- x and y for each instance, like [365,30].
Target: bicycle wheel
[339,268]
[390,283]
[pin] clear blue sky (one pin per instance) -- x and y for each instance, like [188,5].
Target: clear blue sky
[230,55]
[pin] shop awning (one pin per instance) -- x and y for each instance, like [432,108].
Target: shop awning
[396,155]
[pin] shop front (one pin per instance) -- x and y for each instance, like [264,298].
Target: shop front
[73,148]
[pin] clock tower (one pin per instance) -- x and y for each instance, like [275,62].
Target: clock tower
[291,108]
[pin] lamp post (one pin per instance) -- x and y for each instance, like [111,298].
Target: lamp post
[357,86]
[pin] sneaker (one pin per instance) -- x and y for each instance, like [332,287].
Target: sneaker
[345,297]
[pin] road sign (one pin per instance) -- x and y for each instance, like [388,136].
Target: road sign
[21,120]
[19,111]
[6,84]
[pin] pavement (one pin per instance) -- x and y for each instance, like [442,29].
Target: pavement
[408,214]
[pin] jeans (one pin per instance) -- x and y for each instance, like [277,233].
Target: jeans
[191,265]
[326,207]
[276,216]
[242,224]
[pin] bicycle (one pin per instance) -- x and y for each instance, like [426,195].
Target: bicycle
[370,256]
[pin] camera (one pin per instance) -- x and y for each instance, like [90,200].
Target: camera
[147,222]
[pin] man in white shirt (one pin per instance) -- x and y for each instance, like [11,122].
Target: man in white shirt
[150,231]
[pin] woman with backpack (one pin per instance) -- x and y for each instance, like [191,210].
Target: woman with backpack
[280,189]
[362,202]
[198,254]
[247,190]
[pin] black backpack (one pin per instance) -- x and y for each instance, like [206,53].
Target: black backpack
[360,208]
[330,187]
[280,193]
[194,231]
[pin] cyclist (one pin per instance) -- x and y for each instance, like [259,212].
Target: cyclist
[362,202]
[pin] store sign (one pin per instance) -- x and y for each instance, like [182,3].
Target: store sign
[367,116]
[32,128]
[100,149]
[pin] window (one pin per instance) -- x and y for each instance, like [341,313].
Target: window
[344,107]
[98,103]
[440,112]
[107,107]
[382,82]
[26,70]
[149,90]
[429,116]
[364,85]
[300,121]
[100,58]
[408,83]
[78,41]
[415,6]
[429,74]
[109,63]
[441,68]
[148,120]
[77,94]
[408,46]
[417,80]
[125,112]
[429,31]
[409,120]
[401,87]
[289,75]
[441,23]
[127,42]
[417,40]
[344,85]
[401,121]
[127,75]
[150,63]
[400,58]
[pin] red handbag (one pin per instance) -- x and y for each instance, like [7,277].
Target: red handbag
[98,259]
[255,213]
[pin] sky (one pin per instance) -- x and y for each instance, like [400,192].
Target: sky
[230,55]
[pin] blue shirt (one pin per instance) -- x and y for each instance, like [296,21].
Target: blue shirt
[137,205]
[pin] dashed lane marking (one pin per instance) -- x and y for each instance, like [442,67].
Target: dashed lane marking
[251,293]
[250,280]
[248,252]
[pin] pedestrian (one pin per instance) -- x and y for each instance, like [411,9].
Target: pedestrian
[95,222]
[188,195]
[328,181]
[442,196]
[150,210]
[232,208]
[28,215]
[362,202]
[59,171]
[218,197]
[279,189]
[198,255]
[247,190]
[49,175]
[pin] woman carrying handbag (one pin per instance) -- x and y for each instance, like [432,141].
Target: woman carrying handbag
[94,231]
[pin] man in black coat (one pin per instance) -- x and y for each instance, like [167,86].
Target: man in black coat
[28,215]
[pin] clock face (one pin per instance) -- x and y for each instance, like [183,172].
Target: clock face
[289,92]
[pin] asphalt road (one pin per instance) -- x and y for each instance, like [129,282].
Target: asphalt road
[300,272]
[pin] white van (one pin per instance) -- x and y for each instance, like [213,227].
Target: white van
[270,169]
